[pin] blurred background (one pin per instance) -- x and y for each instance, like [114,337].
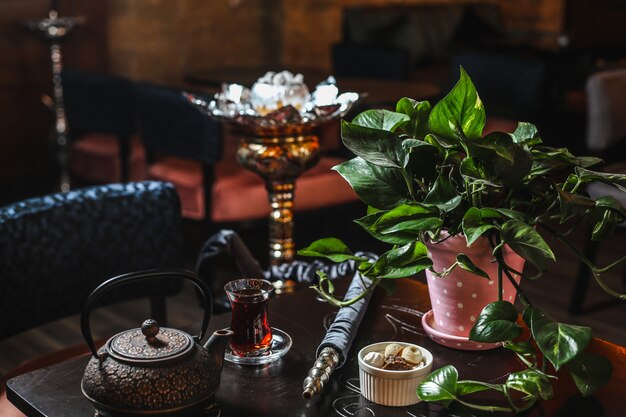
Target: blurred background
[529,58]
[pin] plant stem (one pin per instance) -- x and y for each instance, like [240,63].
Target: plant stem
[503,267]
[489,408]
[409,184]
[500,291]
[578,184]
[421,184]
[506,394]
[338,303]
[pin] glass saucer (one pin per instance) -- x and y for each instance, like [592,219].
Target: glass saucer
[281,343]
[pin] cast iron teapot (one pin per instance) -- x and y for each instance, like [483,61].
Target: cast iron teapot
[153,370]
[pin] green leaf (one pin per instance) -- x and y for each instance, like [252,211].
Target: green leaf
[443,195]
[471,387]
[511,214]
[383,188]
[494,146]
[527,243]
[440,385]
[423,159]
[466,263]
[589,372]
[402,262]
[616,180]
[559,342]
[441,144]
[526,133]
[474,171]
[587,161]
[330,248]
[573,204]
[414,226]
[531,382]
[399,237]
[460,109]
[603,228]
[418,112]
[496,323]
[607,213]
[505,159]
[523,349]
[378,147]
[547,160]
[380,119]
[405,217]
[476,223]
[611,203]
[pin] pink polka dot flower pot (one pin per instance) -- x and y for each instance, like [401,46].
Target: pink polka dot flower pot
[458,298]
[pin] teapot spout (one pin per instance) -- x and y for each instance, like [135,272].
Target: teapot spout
[216,346]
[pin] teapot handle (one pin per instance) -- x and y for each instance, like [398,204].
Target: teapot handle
[119,280]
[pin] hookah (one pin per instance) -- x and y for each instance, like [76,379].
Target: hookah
[54,30]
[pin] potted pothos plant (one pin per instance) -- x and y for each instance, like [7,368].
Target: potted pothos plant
[472,210]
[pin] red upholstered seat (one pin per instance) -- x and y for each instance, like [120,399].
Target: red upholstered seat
[186,175]
[96,157]
[239,194]
[242,195]
[498,124]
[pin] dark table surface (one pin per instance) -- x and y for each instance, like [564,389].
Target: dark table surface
[275,389]
[377,92]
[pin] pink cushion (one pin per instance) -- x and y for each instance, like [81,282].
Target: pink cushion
[239,194]
[95,157]
[7,409]
[497,124]
[186,175]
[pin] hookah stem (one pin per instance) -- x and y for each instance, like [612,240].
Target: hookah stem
[282,247]
[60,125]
[320,372]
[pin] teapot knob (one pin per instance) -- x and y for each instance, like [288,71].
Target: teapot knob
[150,328]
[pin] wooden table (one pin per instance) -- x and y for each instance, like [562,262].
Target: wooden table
[377,92]
[275,389]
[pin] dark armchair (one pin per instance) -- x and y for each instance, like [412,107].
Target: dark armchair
[100,112]
[55,249]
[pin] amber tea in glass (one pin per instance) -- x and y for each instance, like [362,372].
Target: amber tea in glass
[249,299]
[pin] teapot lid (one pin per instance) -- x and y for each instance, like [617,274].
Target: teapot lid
[150,343]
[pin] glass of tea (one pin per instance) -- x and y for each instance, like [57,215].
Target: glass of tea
[249,299]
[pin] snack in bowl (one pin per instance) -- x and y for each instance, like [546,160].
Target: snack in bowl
[393,349]
[394,382]
[412,355]
[375,359]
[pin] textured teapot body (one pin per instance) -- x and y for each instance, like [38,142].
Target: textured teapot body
[153,370]
[179,386]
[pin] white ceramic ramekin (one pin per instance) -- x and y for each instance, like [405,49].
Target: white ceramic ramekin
[392,388]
